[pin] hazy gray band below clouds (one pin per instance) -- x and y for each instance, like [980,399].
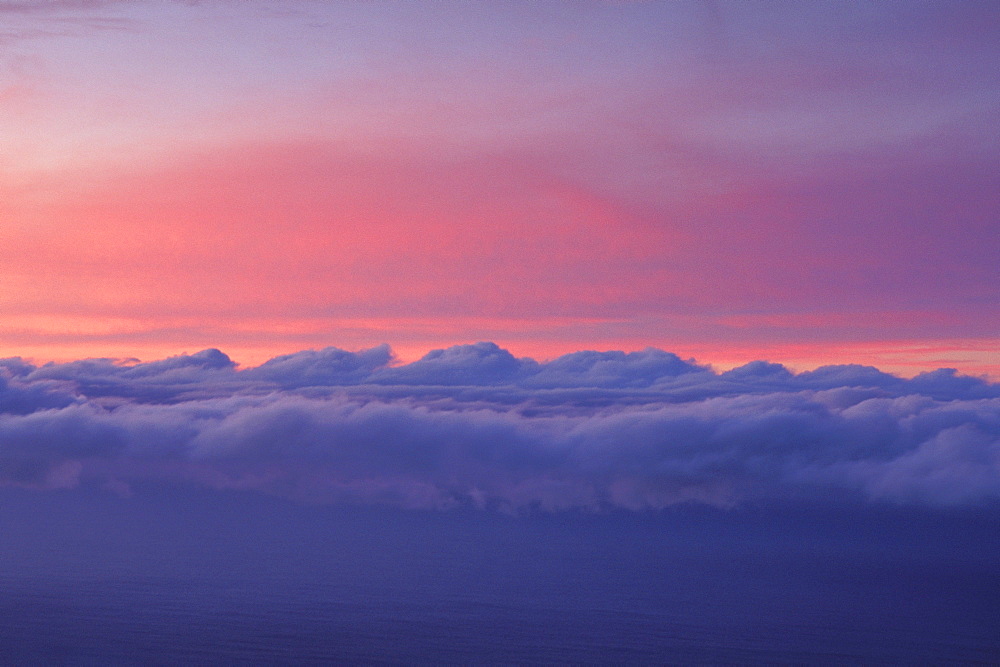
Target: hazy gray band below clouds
[472,425]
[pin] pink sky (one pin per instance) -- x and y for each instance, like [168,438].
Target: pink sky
[802,182]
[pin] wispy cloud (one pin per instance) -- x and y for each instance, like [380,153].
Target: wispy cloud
[41,6]
[65,18]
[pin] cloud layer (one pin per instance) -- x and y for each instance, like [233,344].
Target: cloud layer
[473,425]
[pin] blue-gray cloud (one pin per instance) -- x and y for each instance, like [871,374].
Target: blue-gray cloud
[474,425]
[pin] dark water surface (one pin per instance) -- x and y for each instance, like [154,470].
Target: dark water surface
[166,577]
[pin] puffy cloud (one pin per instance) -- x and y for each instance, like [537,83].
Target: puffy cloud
[612,369]
[18,397]
[329,366]
[164,380]
[478,364]
[847,375]
[473,425]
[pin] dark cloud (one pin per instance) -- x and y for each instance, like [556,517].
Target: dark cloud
[473,425]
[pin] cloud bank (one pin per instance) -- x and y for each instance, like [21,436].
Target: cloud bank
[472,425]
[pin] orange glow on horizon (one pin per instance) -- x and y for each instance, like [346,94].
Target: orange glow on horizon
[611,190]
[906,358]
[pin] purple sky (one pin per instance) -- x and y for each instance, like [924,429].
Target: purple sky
[803,182]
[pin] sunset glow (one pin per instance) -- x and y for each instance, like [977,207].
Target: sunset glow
[692,176]
[517,332]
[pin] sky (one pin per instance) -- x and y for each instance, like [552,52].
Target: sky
[601,330]
[807,183]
